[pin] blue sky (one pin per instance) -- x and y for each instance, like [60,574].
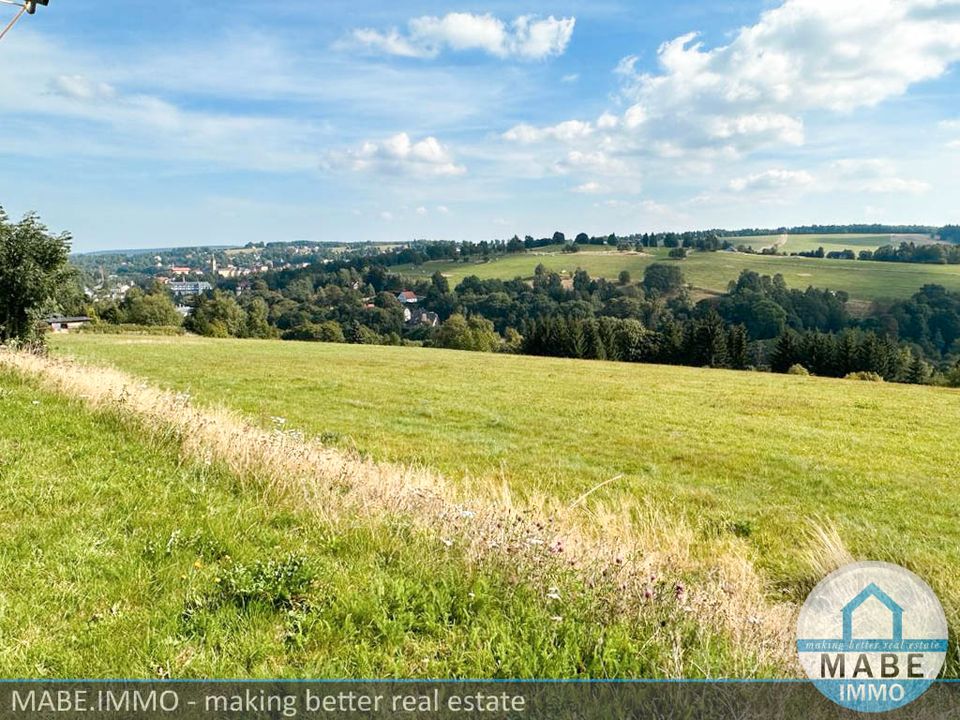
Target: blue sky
[146,124]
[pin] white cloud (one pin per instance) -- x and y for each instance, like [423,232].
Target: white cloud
[90,113]
[895,185]
[809,54]
[571,78]
[426,37]
[626,66]
[79,87]
[953,145]
[594,162]
[443,209]
[772,180]
[872,175]
[398,155]
[565,131]
[589,188]
[805,56]
[386,216]
[422,211]
[766,127]
[607,121]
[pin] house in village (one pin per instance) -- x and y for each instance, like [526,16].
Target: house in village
[189,288]
[412,315]
[61,324]
[424,317]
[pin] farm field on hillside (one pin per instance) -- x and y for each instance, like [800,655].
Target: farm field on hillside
[123,559]
[713,271]
[757,455]
[846,241]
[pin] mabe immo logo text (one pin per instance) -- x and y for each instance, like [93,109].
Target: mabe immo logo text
[872,636]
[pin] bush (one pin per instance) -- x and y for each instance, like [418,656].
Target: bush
[329,331]
[99,328]
[460,333]
[662,279]
[797,369]
[864,375]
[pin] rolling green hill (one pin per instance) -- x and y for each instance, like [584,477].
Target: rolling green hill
[752,455]
[713,271]
[806,243]
[126,556]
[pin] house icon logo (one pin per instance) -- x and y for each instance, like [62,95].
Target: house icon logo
[872,636]
[872,591]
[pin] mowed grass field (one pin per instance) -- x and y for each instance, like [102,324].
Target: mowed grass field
[760,456]
[123,558]
[805,243]
[713,271]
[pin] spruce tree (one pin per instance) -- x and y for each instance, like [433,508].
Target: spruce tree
[918,373]
[786,353]
[737,347]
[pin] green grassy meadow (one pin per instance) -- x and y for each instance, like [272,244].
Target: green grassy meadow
[713,271]
[122,558]
[751,454]
[845,241]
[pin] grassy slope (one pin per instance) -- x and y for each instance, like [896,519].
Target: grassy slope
[742,452]
[713,271]
[803,243]
[122,560]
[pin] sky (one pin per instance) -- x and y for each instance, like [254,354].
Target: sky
[172,122]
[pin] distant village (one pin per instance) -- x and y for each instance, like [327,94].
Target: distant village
[191,271]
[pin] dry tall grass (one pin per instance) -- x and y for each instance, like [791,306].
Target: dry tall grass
[622,548]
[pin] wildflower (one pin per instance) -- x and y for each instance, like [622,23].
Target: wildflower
[36,402]
[467,514]
[197,565]
[448,542]
[557,618]
[647,593]
[554,594]
[556,547]
[679,590]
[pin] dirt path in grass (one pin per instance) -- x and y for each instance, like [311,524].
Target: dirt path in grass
[626,548]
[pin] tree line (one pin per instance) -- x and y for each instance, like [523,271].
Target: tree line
[758,323]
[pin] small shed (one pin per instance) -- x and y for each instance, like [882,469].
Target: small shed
[59,323]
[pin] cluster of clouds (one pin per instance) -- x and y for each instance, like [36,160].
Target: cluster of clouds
[870,175]
[398,155]
[525,37]
[94,114]
[701,112]
[707,105]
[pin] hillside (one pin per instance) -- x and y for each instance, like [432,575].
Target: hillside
[145,539]
[713,271]
[757,457]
